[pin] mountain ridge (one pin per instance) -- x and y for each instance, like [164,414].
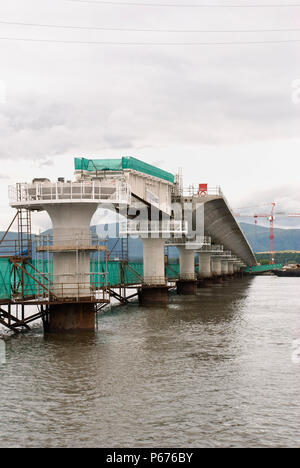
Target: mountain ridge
[257,236]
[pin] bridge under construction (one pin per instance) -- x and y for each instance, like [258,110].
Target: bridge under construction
[71,273]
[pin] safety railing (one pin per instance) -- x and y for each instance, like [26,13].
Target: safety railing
[187,276]
[192,190]
[16,248]
[226,254]
[145,227]
[65,192]
[63,292]
[212,248]
[78,241]
[234,258]
[154,280]
[199,242]
[223,255]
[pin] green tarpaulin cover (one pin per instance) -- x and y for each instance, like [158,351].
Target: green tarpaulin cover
[128,162]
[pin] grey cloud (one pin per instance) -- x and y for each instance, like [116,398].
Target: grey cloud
[287,199]
[90,99]
[149,99]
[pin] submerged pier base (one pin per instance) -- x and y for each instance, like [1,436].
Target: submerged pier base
[152,295]
[187,287]
[217,279]
[71,317]
[205,282]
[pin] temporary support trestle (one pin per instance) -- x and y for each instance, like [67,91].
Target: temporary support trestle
[13,323]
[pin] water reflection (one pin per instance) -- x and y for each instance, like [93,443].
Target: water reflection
[212,370]
[2,352]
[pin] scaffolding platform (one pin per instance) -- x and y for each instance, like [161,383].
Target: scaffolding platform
[71,248]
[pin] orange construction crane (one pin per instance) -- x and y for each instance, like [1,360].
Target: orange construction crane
[271,218]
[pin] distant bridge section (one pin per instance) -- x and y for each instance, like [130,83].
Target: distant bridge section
[219,221]
[221,225]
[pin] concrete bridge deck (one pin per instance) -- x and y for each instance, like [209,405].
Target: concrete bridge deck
[222,227]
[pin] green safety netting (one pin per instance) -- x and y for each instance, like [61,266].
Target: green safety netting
[262,268]
[113,273]
[128,162]
[31,287]
[172,271]
[5,289]
[116,274]
[82,164]
[133,273]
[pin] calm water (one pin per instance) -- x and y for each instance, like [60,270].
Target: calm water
[218,370]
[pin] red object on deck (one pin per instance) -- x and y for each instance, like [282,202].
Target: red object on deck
[202,189]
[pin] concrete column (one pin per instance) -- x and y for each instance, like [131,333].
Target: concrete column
[225,267]
[217,268]
[231,268]
[239,272]
[205,270]
[187,280]
[154,261]
[187,263]
[71,269]
[154,290]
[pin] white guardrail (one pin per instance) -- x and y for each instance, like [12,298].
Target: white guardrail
[146,227]
[212,248]
[195,190]
[198,242]
[66,192]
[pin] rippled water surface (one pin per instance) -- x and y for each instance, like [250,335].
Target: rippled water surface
[221,369]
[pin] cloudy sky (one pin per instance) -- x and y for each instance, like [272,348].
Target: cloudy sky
[226,114]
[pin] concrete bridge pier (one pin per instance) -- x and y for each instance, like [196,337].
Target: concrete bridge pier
[71,317]
[217,269]
[205,275]
[225,269]
[240,270]
[154,290]
[187,284]
[71,267]
[237,269]
[231,268]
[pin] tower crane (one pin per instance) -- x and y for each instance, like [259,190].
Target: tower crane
[271,217]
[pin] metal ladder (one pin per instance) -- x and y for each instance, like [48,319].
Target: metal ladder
[24,233]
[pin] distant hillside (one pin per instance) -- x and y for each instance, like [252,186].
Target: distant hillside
[135,246]
[258,238]
[10,235]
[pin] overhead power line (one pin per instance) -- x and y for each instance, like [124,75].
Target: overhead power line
[111,43]
[183,5]
[100,28]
